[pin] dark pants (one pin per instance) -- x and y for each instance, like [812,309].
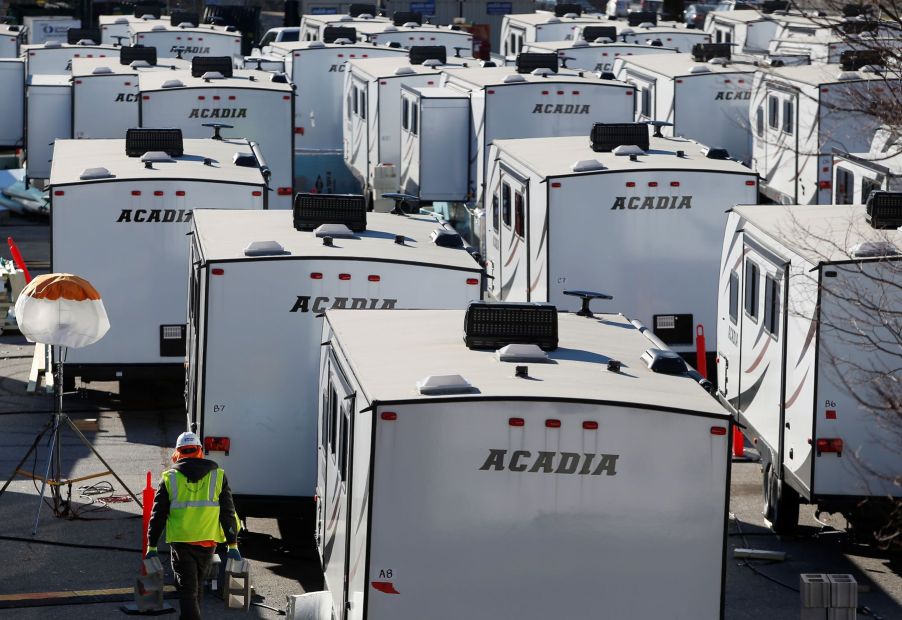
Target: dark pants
[190,563]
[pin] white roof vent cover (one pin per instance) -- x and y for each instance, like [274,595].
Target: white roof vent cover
[411,25]
[436,385]
[186,25]
[156,156]
[432,62]
[604,40]
[646,25]
[336,231]
[101,71]
[315,45]
[52,44]
[212,75]
[264,248]
[571,15]
[580,43]
[404,71]
[522,353]
[874,249]
[158,28]
[139,64]
[700,69]
[627,149]
[845,76]
[121,20]
[587,165]
[90,174]
[514,78]
[553,20]
[542,71]
[173,84]
[345,18]
[342,41]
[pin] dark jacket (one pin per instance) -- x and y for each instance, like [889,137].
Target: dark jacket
[193,470]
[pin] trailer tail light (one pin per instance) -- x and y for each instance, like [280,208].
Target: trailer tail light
[552,423]
[78,81]
[825,90]
[284,191]
[833,444]
[299,130]
[718,430]
[389,416]
[824,184]
[316,276]
[201,97]
[136,192]
[516,422]
[560,92]
[590,425]
[750,183]
[629,93]
[344,276]
[473,281]
[374,278]
[490,92]
[216,97]
[217,444]
[179,192]
[59,192]
[217,271]
[256,192]
[830,414]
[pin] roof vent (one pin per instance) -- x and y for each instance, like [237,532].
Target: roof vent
[315,45]
[445,238]
[278,78]
[148,16]
[587,165]
[230,28]
[647,25]
[513,79]
[331,34]
[853,60]
[91,174]
[404,71]
[313,210]
[553,20]
[699,69]
[492,325]
[212,75]
[156,157]
[101,71]
[390,29]
[335,231]
[627,31]
[635,18]
[664,361]
[542,72]
[158,28]
[347,42]
[173,84]
[406,17]
[873,249]
[420,53]
[345,18]
[593,33]
[846,76]
[432,62]
[884,210]
[703,52]
[603,40]
[52,45]
[119,21]
[360,9]
[184,25]
[245,160]
[128,54]
[265,248]
[522,353]
[437,385]
[579,43]
[719,61]
[605,137]
[139,64]
[82,36]
[568,9]
[140,141]
[200,65]
[716,152]
[529,61]
[630,150]
[411,25]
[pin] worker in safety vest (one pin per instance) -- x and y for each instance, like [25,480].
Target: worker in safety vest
[194,503]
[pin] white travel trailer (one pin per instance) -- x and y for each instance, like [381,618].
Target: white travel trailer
[116,29]
[540,484]
[521,28]
[120,213]
[808,308]
[54,58]
[12,37]
[188,41]
[12,102]
[507,104]
[257,266]
[456,42]
[664,36]
[705,101]
[373,117]
[255,105]
[549,195]
[598,57]
[750,31]
[856,175]
[799,115]
[43,28]
[326,28]
[105,91]
[48,117]
[318,142]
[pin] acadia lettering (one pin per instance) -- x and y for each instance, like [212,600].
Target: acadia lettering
[189,49]
[218,113]
[560,108]
[732,95]
[321,304]
[128,97]
[652,202]
[168,216]
[547,462]
[337,68]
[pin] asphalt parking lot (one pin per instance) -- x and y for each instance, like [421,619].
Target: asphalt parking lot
[98,554]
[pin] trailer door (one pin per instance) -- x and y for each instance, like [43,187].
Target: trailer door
[780,137]
[507,243]
[335,433]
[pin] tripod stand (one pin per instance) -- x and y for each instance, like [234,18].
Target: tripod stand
[52,475]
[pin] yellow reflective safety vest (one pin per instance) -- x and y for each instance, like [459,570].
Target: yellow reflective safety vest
[193,507]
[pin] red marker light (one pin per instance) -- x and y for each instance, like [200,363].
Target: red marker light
[553,423]
[179,192]
[472,281]
[216,271]
[217,444]
[374,278]
[652,183]
[631,184]
[158,193]
[136,192]
[389,416]
[833,444]
[555,185]
[674,184]
[718,430]
[284,191]
[59,192]
[516,422]
[831,414]
[750,183]
[344,276]
[256,192]
[590,425]
[316,276]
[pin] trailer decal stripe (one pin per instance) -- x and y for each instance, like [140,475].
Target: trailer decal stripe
[506,286]
[745,398]
[760,356]
[798,390]
[513,250]
[812,328]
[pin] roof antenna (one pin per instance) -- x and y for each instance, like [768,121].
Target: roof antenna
[119,39]
[457,51]
[401,201]
[178,52]
[657,125]
[217,128]
[564,60]
[587,297]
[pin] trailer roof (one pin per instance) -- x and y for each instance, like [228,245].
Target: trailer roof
[560,46]
[429,342]
[241,78]
[436,92]
[428,28]
[224,234]
[49,79]
[546,17]
[815,75]
[681,65]
[818,233]
[884,155]
[37,47]
[342,18]
[82,67]
[152,25]
[744,16]
[552,157]
[385,67]
[293,46]
[72,157]
[6,30]
[480,77]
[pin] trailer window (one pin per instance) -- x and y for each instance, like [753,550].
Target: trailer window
[788,117]
[353,97]
[519,215]
[362,94]
[773,112]
[414,119]
[645,98]
[333,419]
[405,114]
[343,445]
[734,297]
[751,290]
[845,187]
[771,305]
[496,225]
[506,204]
[867,186]
[759,121]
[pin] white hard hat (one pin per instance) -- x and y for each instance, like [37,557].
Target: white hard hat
[187,439]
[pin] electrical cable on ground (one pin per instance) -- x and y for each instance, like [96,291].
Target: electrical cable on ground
[54,543]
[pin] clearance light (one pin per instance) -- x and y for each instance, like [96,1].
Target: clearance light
[552,423]
[217,444]
[750,183]
[284,191]
[59,192]
[158,193]
[833,444]
[217,271]
[590,425]
[256,192]
[472,281]
[344,276]
[389,416]
[316,276]
[136,192]
[179,192]
[718,430]
[516,422]
[374,278]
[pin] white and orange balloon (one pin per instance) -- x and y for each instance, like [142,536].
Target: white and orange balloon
[63,310]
